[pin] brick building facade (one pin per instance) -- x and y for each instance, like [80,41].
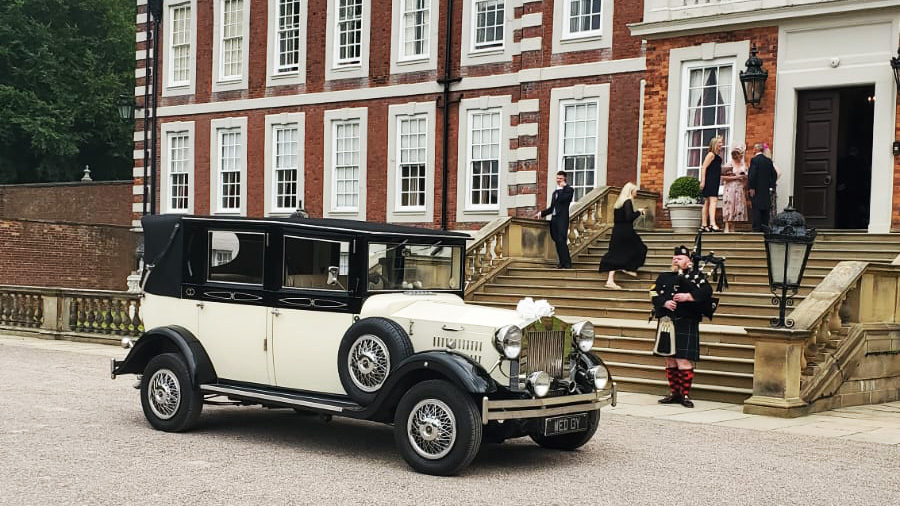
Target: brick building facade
[830,109]
[340,104]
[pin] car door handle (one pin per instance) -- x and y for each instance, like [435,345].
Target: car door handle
[453,328]
[200,305]
[276,312]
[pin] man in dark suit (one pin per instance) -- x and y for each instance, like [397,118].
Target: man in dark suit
[762,179]
[559,221]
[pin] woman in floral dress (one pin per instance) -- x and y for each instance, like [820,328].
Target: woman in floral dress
[735,207]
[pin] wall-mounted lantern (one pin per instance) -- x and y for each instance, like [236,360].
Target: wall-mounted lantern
[753,80]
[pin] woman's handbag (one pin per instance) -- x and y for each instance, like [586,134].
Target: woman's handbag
[665,337]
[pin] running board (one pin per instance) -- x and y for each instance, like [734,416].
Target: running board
[292,400]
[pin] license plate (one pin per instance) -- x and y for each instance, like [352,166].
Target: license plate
[565,424]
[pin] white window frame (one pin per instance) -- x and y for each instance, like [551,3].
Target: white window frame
[683,128]
[220,81]
[170,87]
[395,212]
[559,97]
[334,68]
[465,212]
[470,55]
[588,150]
[494,46]
[401,63]
[167,131]
[275,77]
[217,128]
[469,159]
[566,41]
[273,122]
[678,58]
[331,119]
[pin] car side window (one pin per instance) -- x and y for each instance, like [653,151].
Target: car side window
[236,257]
[307,262]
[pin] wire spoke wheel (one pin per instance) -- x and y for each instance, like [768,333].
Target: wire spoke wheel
[431,428]
[369,362]
[164,394]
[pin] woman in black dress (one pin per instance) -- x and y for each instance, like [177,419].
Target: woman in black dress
[710,174]
[626,250]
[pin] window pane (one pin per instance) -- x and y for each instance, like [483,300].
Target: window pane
[484,159]
[708,113]
[489,21]
[236,257]
[306,263]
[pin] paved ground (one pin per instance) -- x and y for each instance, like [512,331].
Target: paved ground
[69,435]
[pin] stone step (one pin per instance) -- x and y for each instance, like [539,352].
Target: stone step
[643,282]
[631,291]
[638,300]
[702,375]
[700,391]
[866,253]
[646,357]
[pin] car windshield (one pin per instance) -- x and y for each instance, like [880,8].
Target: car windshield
[403,266]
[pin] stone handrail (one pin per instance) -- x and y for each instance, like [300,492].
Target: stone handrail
[786,360]
[87,315]
[503,239]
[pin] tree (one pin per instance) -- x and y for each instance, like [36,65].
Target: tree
[63,65]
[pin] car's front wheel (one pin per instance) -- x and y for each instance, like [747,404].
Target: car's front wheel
[437,428]
[572,440]
[171,402]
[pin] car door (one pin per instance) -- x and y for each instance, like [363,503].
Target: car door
[233,316]
[311,315]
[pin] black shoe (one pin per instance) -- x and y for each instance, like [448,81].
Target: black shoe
[670,399]
[687,402]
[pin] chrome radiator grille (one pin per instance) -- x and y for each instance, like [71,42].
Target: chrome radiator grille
[545,350]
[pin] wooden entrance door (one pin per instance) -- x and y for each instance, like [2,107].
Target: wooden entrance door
[818,114]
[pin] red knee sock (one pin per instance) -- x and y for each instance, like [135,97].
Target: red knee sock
[687,377]
[672,377]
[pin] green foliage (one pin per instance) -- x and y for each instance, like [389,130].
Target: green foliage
[685,188]
[63,65]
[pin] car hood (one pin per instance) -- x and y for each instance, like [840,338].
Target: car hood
[445,308]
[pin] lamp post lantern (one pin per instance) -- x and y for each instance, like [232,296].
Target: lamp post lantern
[126,107]
[895,65]
[788,243]
[753,80]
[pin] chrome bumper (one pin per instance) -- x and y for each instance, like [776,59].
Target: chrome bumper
[549,406]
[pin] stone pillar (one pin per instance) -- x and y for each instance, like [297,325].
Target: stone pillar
[777,366]
[51,311]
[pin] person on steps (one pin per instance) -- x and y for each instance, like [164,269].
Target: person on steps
[710,178]
[626,251]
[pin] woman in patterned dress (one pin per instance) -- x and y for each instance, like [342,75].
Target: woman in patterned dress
[735,207]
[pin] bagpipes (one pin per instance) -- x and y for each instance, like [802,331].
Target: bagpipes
[718,263]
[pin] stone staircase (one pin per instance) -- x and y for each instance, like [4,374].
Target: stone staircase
[624,334]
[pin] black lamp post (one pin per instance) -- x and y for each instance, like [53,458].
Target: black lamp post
[788,243]
[753,80]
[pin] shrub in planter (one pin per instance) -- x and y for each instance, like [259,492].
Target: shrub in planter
[683,203]
[684,190]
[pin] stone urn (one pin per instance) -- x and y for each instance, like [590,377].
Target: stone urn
[685,217]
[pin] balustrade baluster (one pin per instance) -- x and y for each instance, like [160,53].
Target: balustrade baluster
[108,327]
[20,310]
[89,317]
[476,273]
[73,314]
[30,309]
[488,260]
[136,322]
[118,313]
[498,245]
[38,312]
[4,308]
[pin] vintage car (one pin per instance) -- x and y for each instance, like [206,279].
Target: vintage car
[356,319]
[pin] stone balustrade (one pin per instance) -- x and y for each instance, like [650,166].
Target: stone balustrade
[86,315]
[852,312]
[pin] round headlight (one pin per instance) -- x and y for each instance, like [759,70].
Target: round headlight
[583,334]
[508,341]
[538,383]
[600,375]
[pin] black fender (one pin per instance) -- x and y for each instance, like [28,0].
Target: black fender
[456,368]
[169,339]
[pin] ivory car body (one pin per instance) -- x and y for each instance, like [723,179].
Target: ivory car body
[353,319]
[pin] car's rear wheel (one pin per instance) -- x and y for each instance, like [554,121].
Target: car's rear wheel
[572,440]
[170,400]
[370,350]
[437,428]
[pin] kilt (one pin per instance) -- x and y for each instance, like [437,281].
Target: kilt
[687,339]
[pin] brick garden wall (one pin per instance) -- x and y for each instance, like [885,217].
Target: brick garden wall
[106,202]
[65,255]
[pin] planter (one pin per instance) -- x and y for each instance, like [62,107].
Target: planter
[685,217]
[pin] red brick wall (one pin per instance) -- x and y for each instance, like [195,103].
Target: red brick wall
[65,255]
[96,202]
[760,122]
